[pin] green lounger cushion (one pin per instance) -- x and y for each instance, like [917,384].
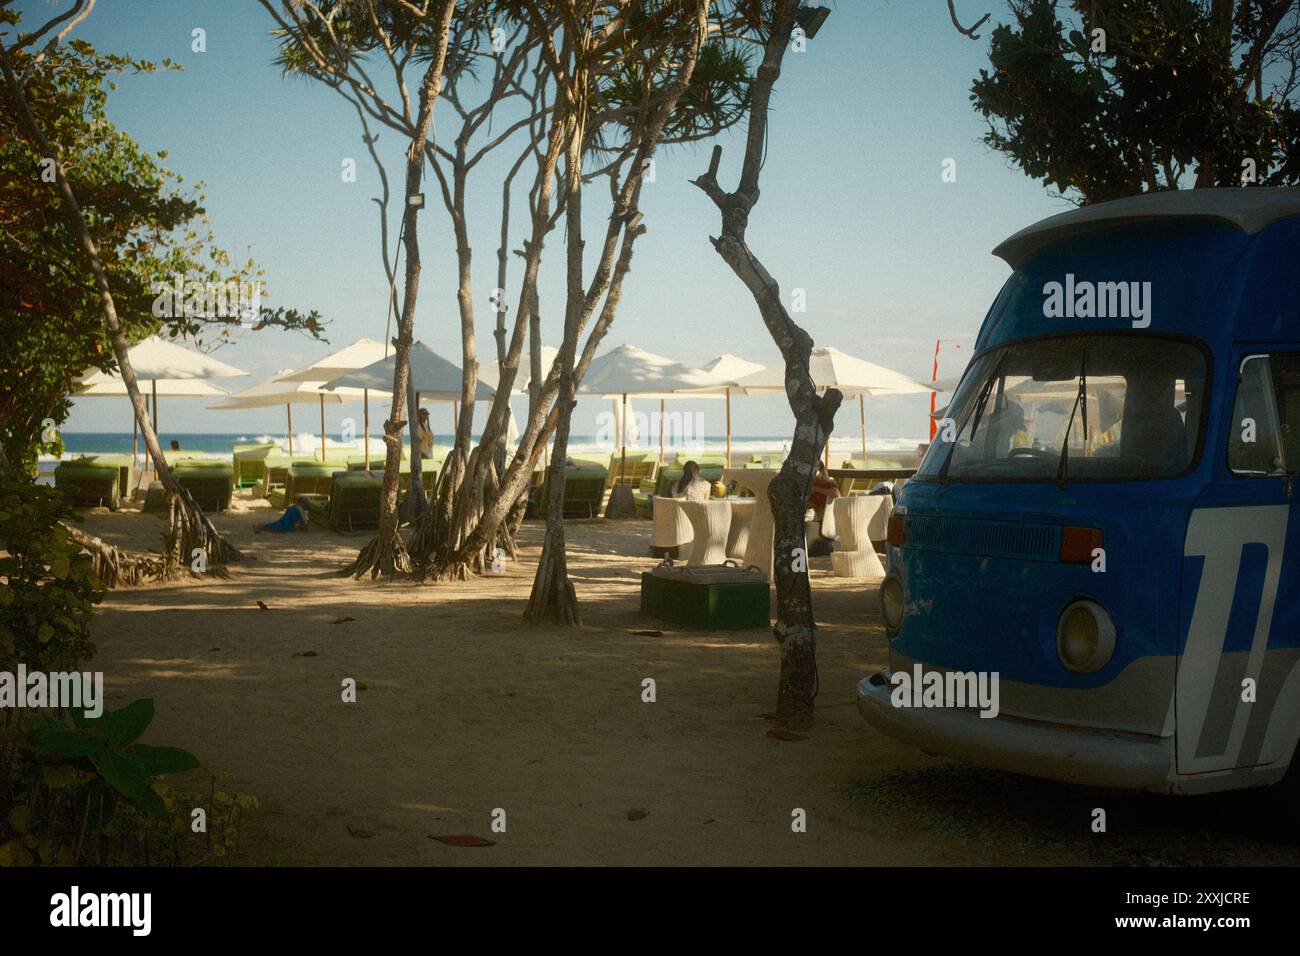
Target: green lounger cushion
[90,483]
[210,483]
[354,501]
[250,463]
[584,491]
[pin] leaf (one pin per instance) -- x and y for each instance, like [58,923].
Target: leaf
[20,818]
[59,777]
[647,633]
[637,813]
[343,620]
[13,854]
[360,834]
[127,724]
[125,773]
[67,743]
[263,606]
[767,715]
[306,654]
[776,733]
[44,633]
[153,805]
[158,760]
[463,839]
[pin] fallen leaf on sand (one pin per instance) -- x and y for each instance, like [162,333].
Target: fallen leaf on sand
[361,686]
[463,839]
[776,733]
[637,814]
[647,633]
[214,648]
[343,620]
[306,654]
[360,834]
[263,606]
[766,716]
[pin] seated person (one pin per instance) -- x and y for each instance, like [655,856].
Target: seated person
[294,519]
[691,486]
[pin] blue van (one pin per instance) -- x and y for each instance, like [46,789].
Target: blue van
[1107,525]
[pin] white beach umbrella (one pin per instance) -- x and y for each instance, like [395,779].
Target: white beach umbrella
[359,354]
[724,371]
[628,370]
[283,389]
[490,372]
[433,378]
[831,368]
[162,364]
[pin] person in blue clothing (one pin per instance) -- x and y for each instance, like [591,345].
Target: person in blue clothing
[294,519]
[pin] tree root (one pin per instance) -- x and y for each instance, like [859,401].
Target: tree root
[115,567]
[388,558]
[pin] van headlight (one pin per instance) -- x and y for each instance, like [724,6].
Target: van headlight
[1085,637]
[891,604]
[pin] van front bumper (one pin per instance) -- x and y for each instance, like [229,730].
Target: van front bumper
[1037,748]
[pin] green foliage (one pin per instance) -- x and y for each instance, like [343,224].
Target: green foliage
[90,794]
[1172,92]
[148,230]
[47,587]
[106,747]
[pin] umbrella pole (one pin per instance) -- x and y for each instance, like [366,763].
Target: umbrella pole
[728,428]
[622,462]
[862,415]
[322,428]
[661,431]
[366,439]
[135,439]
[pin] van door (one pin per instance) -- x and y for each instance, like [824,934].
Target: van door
[1238,691]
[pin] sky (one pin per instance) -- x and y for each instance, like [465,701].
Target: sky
[854,210]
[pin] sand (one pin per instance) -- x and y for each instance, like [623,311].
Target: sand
[466,712]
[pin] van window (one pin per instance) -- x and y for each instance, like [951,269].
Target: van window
[1098,407]
[1265,435]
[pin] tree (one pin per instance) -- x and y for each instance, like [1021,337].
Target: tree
[334,42]
[1130,96]
[129,222]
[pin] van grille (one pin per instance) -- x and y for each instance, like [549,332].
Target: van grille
[994,539]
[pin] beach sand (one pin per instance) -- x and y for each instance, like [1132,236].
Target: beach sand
[465,711]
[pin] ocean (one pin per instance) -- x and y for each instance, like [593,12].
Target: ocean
[218,445]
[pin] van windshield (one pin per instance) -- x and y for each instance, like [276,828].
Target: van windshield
[1109,407]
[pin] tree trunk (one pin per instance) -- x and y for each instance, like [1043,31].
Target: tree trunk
[386,553]
[814,414]
[196,531]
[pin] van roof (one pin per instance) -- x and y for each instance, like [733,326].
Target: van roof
[1249,209]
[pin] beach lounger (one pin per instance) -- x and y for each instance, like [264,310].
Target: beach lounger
[89,483]
[355,498]
[638,466]
[250,463]
[661,485]
[584,491]
[210,483]
[860,486]
[309,478]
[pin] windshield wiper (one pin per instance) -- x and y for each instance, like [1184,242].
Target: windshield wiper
[1080,401]
[980,401]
